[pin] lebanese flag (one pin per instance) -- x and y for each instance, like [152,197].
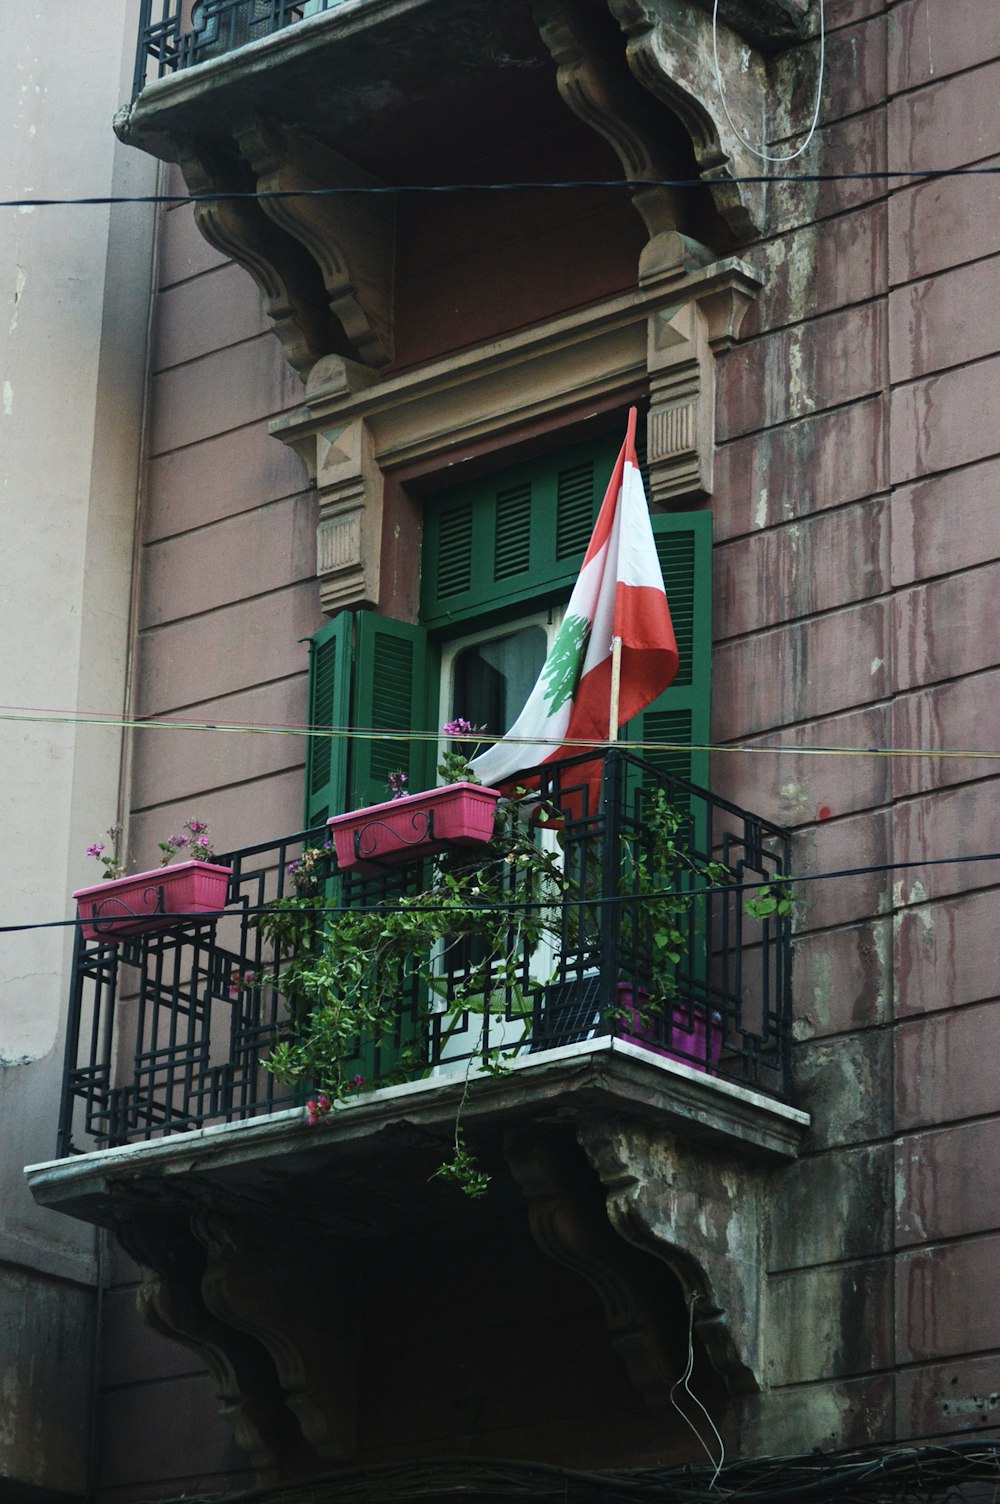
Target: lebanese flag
[619,593]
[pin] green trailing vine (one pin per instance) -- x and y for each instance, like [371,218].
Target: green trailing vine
[461,946]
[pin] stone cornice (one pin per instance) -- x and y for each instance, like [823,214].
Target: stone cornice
[494,388]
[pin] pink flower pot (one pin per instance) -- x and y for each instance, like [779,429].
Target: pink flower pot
[151,900]
[698,1047]
[403,830]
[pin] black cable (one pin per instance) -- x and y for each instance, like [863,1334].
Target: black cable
[384,189]
[780,879]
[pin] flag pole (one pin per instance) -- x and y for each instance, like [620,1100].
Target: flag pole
[616,642]
[616,680]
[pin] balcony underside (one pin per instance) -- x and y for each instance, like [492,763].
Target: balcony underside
[403,94]
[281,1252]
[642,1169]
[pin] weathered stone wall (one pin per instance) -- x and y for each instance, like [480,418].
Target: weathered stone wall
[857,580]
[856,557]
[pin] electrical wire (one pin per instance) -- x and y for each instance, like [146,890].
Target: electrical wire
[684,1383]
[867,1475]
[41,716]
[917,174]
[779,879]
[742,136]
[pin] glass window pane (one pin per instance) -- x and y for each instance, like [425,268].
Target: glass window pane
[492,679]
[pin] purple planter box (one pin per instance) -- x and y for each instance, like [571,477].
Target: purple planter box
[403,830]
[151,900]
[697,1046]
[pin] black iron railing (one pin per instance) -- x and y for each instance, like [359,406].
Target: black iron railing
[168,1031]
[178,33]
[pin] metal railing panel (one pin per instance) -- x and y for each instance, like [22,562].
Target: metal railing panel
[169,1031]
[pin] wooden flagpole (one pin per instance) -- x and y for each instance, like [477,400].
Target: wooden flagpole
[616,681]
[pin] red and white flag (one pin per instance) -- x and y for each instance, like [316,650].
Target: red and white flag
[619,593]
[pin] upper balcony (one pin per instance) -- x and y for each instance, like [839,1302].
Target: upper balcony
[315,131]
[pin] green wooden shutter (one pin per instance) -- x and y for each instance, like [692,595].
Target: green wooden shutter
[513,537]
[394,690]
[329,706]
[682,714]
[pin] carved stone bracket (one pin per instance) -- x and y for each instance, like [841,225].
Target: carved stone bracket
[246,1285]
[350,239]
[217,1281]
[602,93]
[169,1300]
[277,263]
[570,1227]
[671,52]
[699,1211]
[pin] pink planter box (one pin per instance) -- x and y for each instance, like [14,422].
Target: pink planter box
[403,830]
[151,900]
[696,1047]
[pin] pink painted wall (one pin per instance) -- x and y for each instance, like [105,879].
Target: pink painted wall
[857,573]
[858,580]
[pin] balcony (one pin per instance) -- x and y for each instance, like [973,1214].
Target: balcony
[635,1138]
[176,34]
[170,1031]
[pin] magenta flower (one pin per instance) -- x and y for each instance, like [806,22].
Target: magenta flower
[396,784]
[96,849]
[458,727]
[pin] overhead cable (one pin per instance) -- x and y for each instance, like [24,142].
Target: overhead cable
[40,716]
[917,174]
[778,879]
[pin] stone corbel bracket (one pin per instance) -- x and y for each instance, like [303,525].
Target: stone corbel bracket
[351,239]
[597,86]
[245,1286]
[699,1211]
[670,50]
[281,268]
[683,342]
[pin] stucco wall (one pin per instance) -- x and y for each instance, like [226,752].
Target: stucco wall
[75,289]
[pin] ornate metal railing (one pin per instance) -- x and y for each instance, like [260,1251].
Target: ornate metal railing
[169,1030]
[178,33]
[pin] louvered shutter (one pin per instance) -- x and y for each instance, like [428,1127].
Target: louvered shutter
[515,537]
[329,707]
[682,715]
[395,688]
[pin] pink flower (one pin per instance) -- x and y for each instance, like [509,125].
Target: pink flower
[96,849]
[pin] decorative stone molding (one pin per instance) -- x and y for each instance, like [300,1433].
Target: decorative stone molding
[700,1212]
[354,428]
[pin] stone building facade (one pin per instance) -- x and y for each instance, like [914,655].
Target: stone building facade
[817,365]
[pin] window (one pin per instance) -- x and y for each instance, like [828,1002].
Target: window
[499,560]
